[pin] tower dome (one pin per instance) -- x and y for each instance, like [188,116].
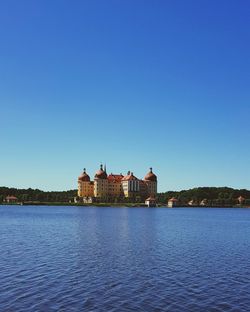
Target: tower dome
[101,174]
[84,177]
[150,176]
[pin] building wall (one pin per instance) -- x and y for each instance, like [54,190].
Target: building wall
[151,187]
[143,189]
[100,188]
[125,188]
[170,204]
[114,189]
[103,188]
[85,189]
[131,188]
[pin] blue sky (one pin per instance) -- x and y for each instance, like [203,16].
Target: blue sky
[130,83]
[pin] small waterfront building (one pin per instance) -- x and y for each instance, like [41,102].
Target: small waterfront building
[172,202]
[88,200]
[11,199]
[203,202]
[150,202]
[191,203]
[241,200]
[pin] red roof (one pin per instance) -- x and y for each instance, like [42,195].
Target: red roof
[151,199]
[241,199]
[116,178]
[11,197]
[101,174]
[151,176]
[84,177]
[173,199]
[129,177]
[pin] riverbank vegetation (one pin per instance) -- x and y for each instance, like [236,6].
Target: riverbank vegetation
[215,196]
[36,195]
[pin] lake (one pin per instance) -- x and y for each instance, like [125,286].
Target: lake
[124,259]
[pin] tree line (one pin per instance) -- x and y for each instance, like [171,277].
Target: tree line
[213,195]
[26,195]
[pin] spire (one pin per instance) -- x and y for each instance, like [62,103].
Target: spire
[105,168]
[151,169]
[84,170]
[101,167]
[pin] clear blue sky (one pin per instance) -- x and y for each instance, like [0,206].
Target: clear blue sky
[130,83]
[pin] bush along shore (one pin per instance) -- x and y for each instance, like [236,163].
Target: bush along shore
[118,205]
[209,196]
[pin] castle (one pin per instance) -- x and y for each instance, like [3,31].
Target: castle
[111,187]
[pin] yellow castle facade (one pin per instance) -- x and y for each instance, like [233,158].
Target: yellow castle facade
[116,186]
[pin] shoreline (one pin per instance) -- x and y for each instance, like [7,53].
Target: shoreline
[116,205]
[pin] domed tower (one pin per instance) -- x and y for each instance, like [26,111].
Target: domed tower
[151,182]
[101,183]
[84,177]
[85,186]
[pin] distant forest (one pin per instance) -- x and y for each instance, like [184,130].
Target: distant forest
[25,195]
[213,195]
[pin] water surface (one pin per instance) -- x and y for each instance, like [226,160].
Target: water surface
[124,259]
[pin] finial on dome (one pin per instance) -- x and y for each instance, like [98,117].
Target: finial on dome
[150,176]
[84,177]
[100,174]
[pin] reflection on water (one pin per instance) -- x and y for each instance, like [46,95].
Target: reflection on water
[124,259]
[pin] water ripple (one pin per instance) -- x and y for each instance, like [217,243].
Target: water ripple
[120,259]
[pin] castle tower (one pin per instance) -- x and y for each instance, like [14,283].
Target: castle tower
[101,183]
[151,182]
[85,186]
